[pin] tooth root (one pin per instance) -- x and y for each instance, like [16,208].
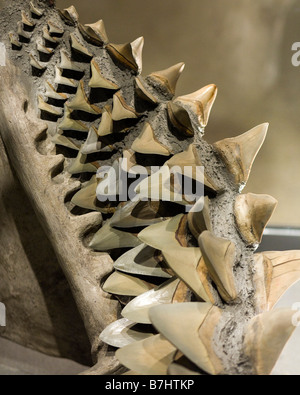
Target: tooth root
[122,284]
[58,139]
[168,78]
[266,336]
[92,143]
[180,119]
[252,214]
[78,47]
[59,79]
[51,92]
[80,102]
[48,37]
[69,15]
[240,152]
[79,166]
[13,38]
[200,103]
[35,10]
[190,327]
[121,110]
[143,91]
[94,33]
[199,217]
[148,357]
[68,123]
[121,333]
[220,257]
[128,54]
[48,108]
[66,62]
[262,279]
[106,126]
[146,143]
[41,48]
[26,20]
[21,32]
[54,28]
[98,80]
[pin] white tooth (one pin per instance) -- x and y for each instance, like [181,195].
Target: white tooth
[122,284]
[51,92]
[78,47]
[59,79]
[66,62]
[48,108]
[48,37]
[92,143]
[68,123]
[80,102]
[98,80]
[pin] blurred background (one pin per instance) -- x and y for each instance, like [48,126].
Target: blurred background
[244,47]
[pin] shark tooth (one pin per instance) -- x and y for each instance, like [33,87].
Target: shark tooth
[200,103]
[199,217]
[190,327]
[94,33]
[66,63]
[262,279]
[168,78]
[51,92]
[35,10]
[69,15]
[60,80]
[41,48]
[54,28]
[142,260]
[48,37]
[252,214]
[121,110]
[21,31]
[220,257]
[121,333]
[13,38]
[240,152]
[176,369]
[151,356]
[265,338]
[143,91]
[128,54]
[92,143]
[80,102]
[86,197]
[180,119]
[106,126]
[125,285]
[147,143]
[26,20]
[79,165]
[78,47]
[98,80]
[58,139]
[34,63]
[48,108]
[68,123]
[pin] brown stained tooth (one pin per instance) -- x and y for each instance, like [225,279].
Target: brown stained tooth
[94,33]
[78,47]
[35,10]
[220,257]
[106,126]
[180,119]
[66,62]
[190,327]
[148,357]
[121,333]
[21,32]
[122,284]
[51,92]
[200,103]
[80,102]
[128,54]
[26,20]
[14,40]
[98,80]
[199,217]
[79,165]
[68,123]
[142,260]
[48,37]
[240,152]
[143,91]
[60,80]
[69,15]
[54,28]
[86,197]
[262,279]
[41,48]
[147,143]
[58,139]
[34,63]
[48,108]
[252,214]
[121,110]
[265,338]
[92,143]
[168,78]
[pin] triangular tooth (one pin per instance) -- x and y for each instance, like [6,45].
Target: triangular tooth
[80,101]
[35,10]
[26,20]
[51,92]
[86,197]
[128,54]
[58,139]
[94,33]
[48,108]
[106,126]
[55,28]
[36,64]
[147,143]
[78,47]
[148,357]
[108,238]
[180,119]
[98,80]
[143,91]
[125,285]
[142,260]
[252,214]
[41,48]
[220,257]
[190,327]
[240,152]
[14,40]
[66,62]
[199,217]
[200,103]
[48,37]
[121,110]
[68,123]
[21,31]
[137,310]
[121,333]
[262,279]
[59,79]
[265,338]
[79,165]
[92,143]
[168,78]
[70,15]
